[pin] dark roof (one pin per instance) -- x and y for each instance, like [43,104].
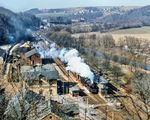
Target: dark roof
[23,50]
[31,52]
[68,108]
[74,88]
[47,61]
[31,96]
[47,71]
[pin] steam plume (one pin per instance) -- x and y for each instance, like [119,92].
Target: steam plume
[70,56]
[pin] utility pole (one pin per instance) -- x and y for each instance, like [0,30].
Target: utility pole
[86,108]
[63,91]
[106,112]
[63,88]
[49,101]
[85,113]
[112,115]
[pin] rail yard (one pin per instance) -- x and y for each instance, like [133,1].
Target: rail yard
[99,99]
[102,97]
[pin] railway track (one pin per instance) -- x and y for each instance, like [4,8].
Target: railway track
[128,100]
[93,99]
[62,68]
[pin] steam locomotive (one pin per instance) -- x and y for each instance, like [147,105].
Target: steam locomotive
[92,87]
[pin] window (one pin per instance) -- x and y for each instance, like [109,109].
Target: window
[50,117]
[50,91]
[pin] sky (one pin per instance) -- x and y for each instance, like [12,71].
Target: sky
[22,5]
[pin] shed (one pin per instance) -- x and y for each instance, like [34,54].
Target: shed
[75,91]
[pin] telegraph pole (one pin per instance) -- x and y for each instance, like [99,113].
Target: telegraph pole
[106,111]
[112,115]
[86,108]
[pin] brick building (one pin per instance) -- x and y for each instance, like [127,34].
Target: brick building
[32,57]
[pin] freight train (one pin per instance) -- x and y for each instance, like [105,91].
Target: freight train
[92,87]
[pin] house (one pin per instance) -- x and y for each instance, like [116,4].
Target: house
[32,57]
[66,111]
[70,110]
[41,79]
[51,116]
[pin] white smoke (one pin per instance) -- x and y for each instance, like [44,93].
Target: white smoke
[74,62]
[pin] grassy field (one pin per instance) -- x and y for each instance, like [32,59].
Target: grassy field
[143,36]
[142,30]
[143,33]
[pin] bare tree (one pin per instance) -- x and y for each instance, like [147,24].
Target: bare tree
[105,41]
[17,107]
[142,88]
[140,80]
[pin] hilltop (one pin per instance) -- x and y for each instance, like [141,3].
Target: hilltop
[88,13]
[101,19]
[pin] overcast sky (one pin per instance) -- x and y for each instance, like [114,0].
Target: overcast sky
[21,5]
